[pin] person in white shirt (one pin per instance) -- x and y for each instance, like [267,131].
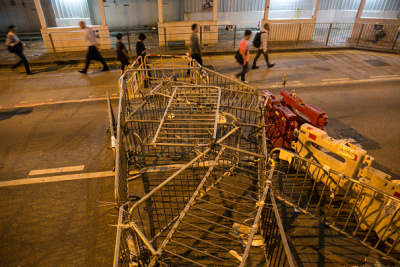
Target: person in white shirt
[15,45]
[263,48]
[93,51]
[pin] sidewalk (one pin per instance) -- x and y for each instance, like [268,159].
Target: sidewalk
[38,56]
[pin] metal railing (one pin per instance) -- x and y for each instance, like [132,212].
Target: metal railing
[353,34]
[353,208]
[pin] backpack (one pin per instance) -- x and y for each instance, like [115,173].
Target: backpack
[257,40]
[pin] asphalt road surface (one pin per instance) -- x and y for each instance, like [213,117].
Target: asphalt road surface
[56,184]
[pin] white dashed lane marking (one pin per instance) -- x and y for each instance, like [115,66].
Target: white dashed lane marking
[59,178]
[57,170]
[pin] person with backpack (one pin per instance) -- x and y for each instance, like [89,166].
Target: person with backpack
[245,56]
[260,41]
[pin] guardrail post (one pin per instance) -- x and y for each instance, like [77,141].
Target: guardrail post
[201,34]
[395,39]
[165,38]
[234,37]
[129,40]
[359,36]
[298,36]
[52,44]
[329,34]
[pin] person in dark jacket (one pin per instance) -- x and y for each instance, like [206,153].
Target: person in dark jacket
[122,53]
[15,45]
[141,53]
[140,47]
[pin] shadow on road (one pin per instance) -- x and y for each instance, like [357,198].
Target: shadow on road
[9,114]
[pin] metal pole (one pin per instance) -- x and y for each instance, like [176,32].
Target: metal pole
[395,40]
[329,34]
[165,38]
[201,34]
[52,44]
[234,38]
[298,36]
[359,36]
[129,40]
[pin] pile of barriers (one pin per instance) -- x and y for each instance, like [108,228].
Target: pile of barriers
[209,189]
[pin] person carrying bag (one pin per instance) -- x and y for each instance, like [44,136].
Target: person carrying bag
[15,46]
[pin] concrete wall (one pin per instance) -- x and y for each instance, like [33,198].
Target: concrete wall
[290,14]
[122,14]
[249,19]
[23,15]
[181,31]
[71,22]
[330,16]
[380,14]
[378,21]
[72,39]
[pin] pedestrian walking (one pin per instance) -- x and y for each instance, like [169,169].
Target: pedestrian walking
[15,46]
[141,53]
[261,42]
[244,52]
[93,50]
[195,46]
[141,48]
[122,53]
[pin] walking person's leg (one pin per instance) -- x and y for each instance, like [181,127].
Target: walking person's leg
[256,58]
[23,60]
[245,68]
[267,60]
[17,64]
[101,59]
[88,57]
[242,74]
[200,60]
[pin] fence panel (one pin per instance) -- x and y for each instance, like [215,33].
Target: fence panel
[379,35]
[121,161]
[353,208]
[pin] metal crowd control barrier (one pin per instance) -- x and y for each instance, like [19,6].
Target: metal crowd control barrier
[121,161]
[360,211]
[215,211]
[197,143]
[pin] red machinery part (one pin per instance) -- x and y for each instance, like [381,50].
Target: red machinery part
[306,113]
[280,122]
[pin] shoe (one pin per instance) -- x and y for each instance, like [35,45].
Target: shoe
[30,73]
[105,69]
[270,66]
[246,82]
[255,67]
[82,71]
